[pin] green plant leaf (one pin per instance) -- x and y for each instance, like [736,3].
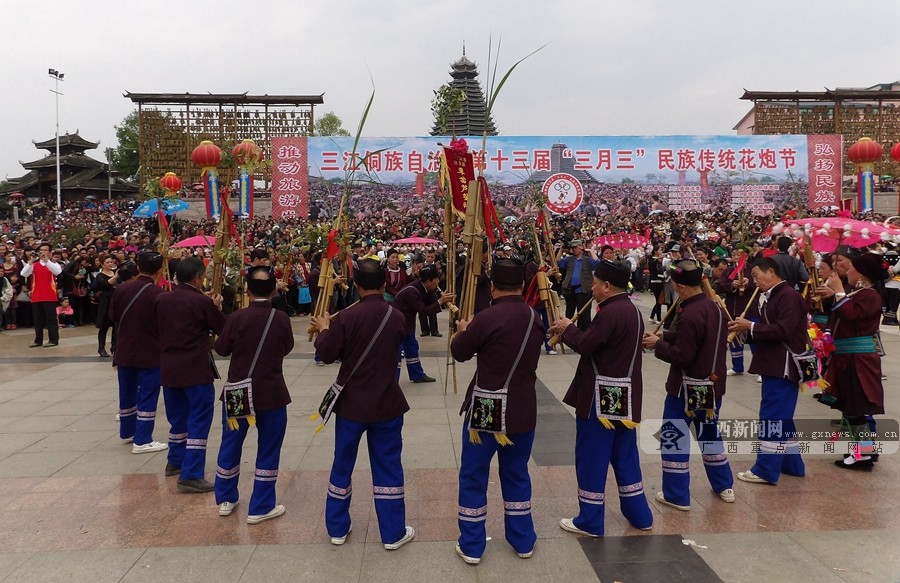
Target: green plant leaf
[495,90]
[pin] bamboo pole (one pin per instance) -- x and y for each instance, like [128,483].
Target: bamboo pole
[556,339]
[733,335]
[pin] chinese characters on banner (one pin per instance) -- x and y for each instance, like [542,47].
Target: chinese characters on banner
[695,171]
[756,198]
[825,170]
[290,178]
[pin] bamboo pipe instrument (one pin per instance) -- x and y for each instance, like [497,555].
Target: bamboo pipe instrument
[331,317]
[556,339]
[669,313]
[733,335]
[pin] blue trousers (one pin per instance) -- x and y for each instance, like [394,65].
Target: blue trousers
[736,349]
[410,351]
[385,440]
[778,453]
[138,399]
[270,427]
[676,477]
[515,483]
[595,449]
[190,412]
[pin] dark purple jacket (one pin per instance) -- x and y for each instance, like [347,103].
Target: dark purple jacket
[782,320]
[734,301]
[610,340]
[372,394]
[137,336]
[692,347]
[240,339]
[415,299]
[186,317]
[496,337]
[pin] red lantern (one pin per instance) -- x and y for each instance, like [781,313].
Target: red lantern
[170,182]
[865,151]
[895,152]
[207,155]
[247,153]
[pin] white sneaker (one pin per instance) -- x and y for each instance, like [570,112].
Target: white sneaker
[469,560]
[410,533]
[339,540]
[127,440]
[733,373]
[662,500]
[118,417]
[752,478]
[527,555]
[226,508]
[551,352]
[149,447]
[727,495]
[654,321]
[759,378]
[568,525]
[274,513]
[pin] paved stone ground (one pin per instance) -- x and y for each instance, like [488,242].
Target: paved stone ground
[78,506]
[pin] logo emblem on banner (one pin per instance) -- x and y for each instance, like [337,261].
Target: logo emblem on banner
[563,193]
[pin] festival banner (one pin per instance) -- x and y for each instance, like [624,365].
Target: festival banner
[694,171]
[825,170]
[290,178]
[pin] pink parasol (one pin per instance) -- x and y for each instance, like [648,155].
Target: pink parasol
[829,232]
[621,241]
[17,195]
[417,241]
[198,241]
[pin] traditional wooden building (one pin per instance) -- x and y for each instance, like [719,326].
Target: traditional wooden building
[474,118]
[81,175]
[170,125]
[872,112]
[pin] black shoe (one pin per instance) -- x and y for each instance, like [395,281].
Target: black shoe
[424,334]
[102,352]
[438,334]
[425,379]
[862,466]
[195,486]
[874,457]
[172,470]
[34,345]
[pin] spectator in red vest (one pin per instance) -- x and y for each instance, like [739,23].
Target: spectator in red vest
[43,272]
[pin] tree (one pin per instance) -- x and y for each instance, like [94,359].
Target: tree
[447,102]
[125,157]
[330,125]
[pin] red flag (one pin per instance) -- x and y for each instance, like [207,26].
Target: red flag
[491,220]
[227,210]
[163,223]
[461,171]
[333,249]
[742,262]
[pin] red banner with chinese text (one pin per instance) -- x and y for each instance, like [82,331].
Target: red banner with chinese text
[461,171]
[290,178]
[825,170]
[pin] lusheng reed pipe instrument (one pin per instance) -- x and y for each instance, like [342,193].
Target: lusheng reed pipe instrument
[733,335]
[557,338]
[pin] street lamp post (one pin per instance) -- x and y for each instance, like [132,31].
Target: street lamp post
[58,77]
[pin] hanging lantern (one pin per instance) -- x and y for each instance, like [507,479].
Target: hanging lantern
[170,183]
[247,156]
[208,156]
[864,153]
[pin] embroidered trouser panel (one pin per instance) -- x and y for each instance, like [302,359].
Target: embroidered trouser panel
[515,483]
[190,412]
[138,399]
[270,426]
[385,440]
[595,449]
[410,351]
[676,477]
[779,452]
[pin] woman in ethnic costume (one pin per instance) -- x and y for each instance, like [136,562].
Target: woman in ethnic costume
[854,368]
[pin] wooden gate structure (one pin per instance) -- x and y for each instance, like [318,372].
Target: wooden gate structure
[170,125]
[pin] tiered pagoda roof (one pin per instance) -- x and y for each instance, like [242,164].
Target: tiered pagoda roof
[474,119]
[80,174]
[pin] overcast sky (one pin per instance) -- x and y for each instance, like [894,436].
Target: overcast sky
[636,67]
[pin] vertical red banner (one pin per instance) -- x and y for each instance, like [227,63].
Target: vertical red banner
[826,173]
[290,178]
